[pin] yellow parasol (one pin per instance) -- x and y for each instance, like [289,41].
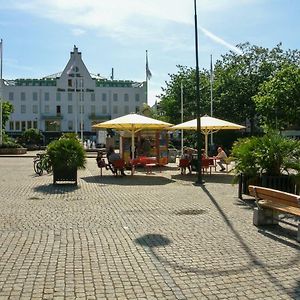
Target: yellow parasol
[133,123]
[208,125]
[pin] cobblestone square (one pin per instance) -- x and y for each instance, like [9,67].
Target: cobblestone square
[154,236]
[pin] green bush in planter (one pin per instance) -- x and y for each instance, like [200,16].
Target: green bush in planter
[270,154]
[9,143]
[67,152]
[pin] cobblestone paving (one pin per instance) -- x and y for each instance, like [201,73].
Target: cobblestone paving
[143,237]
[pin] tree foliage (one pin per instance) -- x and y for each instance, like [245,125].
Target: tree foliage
[7,109]
[278,99]
[237,79]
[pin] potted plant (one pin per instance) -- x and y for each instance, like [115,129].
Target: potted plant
[66,156]
[270,161]
[10,146]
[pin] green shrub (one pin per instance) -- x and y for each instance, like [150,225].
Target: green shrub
[270,154]
[9,143]
[67,152]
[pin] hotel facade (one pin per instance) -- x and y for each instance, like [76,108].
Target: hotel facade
[70,101]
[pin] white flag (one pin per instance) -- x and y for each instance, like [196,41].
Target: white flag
[148,72]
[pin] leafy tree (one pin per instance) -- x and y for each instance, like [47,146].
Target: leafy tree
[278,99]
[7,109]
[170,104]
[238,78]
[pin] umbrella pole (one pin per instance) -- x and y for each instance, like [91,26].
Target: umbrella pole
[132,151]
[206,143]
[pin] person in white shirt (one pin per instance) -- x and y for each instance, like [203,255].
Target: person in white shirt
[221,156]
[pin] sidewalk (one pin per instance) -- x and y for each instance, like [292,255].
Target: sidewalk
[137,237]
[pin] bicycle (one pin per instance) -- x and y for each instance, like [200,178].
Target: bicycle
[42,163]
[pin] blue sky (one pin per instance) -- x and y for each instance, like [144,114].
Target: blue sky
[38,35]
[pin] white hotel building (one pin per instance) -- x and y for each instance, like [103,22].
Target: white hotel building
[66,101]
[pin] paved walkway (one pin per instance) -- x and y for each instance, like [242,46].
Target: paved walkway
[143,237]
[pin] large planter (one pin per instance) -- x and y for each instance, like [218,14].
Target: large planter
[17,151]
[64,174]
[285,183]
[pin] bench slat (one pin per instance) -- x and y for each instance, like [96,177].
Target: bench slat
[274,195]
[280,207]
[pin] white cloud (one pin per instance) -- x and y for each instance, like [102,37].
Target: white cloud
[220,41]
[78,31]
[123,18]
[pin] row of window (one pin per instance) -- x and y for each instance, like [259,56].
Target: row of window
[22,125]
[71,109]
[70,96]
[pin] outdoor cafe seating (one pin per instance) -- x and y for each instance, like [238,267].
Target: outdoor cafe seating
[147,162]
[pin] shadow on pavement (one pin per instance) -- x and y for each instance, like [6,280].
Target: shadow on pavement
[128,180]
[152,240]
[213,178]
[56,188]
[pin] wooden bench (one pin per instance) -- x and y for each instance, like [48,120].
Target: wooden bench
[270,203]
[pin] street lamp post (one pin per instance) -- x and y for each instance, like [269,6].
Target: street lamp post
[1,93]
[81,109]
[199,147]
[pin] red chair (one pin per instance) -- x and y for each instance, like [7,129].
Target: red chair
[148,163]
[118,165]
[183,164]
[205,165]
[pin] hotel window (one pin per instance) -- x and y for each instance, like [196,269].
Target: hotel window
[28,124]
[126,109]
[104,110]
[137,109]
[115,97]
[115,109]
[23,109]
[23,96]
[70,96]
[81,109]
[47,109]
[126,97]
[58,96]
[93,97]
[11,96]
[58,110]
[35,124]
[23,125]
[93,109]
[70,109]
[70,125]
[17,125]
[34,109]
[46,96]
[34,96]
[137,97]
[11,125]
[70,83]
[104,97]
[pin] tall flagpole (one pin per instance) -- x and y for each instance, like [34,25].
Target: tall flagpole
[199,157]
[211,96]
[148,75]
[1,92]
[181,93]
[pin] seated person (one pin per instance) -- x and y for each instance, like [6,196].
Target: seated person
[113,157]
[100,160]
[186,156]
[222,158]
